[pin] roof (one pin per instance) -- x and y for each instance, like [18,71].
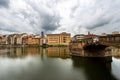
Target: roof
[79,35]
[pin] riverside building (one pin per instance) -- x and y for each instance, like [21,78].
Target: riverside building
[58,39]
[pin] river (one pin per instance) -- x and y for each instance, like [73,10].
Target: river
[56,64]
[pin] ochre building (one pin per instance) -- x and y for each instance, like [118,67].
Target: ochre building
[30,40]
[58,39]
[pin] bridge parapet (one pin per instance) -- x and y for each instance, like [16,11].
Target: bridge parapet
[89,47]
[110,40]
[95,44]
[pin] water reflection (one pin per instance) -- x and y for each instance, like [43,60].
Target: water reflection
[116,52]
[116,68]
[19,68]
[95,68]
[62,52]
[58,52]
[54,63]
[20,52]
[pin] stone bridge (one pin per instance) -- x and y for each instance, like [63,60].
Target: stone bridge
[106,41]
[95,44]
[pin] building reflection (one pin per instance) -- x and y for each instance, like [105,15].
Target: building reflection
[62,52]
[21,51]
[116,52]
[95,68]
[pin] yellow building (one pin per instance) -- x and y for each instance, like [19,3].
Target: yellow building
[115,32]
[58,39]
[30,40]
[36,41]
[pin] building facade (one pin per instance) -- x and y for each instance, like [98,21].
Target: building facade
[0,39]
[58,39]
[31,40]
[79,37]
[4,39]
[115,32]
[42,39]
[20,38]
[13,39]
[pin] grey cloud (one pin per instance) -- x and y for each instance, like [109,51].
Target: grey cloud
[99,23]
[53,15]
[76,6]
[49,22]
[117,21]
[3,28]
[104,21]
[4,3]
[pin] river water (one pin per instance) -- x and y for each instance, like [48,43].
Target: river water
[56,64]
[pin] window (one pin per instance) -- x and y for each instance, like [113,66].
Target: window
[64,41]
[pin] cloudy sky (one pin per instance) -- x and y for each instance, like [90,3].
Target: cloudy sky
[54,16]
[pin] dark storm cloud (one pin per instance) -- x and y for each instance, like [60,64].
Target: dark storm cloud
[3,28]
[4,3]
[50,23]
[98,24]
